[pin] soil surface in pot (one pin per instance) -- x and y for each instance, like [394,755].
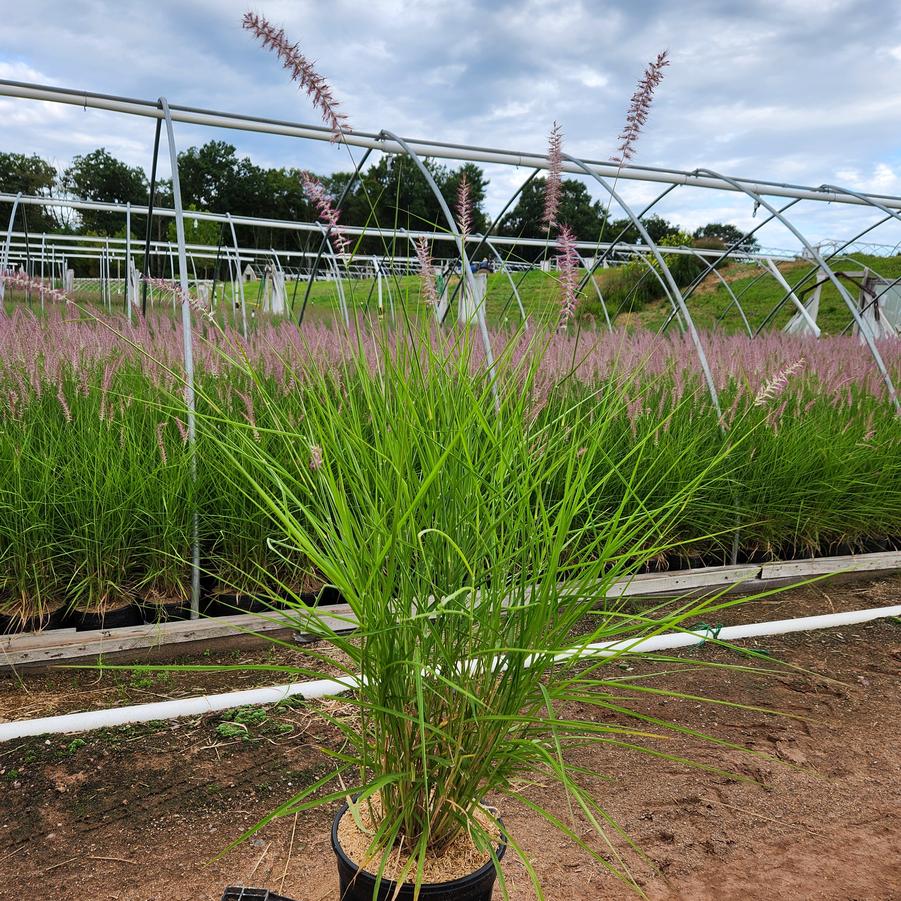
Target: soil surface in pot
[817,815]
[460,858]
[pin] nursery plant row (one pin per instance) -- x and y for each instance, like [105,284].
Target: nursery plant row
[102,494]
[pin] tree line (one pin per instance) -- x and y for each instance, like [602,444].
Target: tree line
[392,193]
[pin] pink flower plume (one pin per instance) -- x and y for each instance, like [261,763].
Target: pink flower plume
[568,262]
[170,287]
[318,196]
[553,184]
[301,70]
[639,108]
[464,206]
[425,269]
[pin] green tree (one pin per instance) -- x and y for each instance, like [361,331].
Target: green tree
[100,176]
[728,234]
[214,178]
[577,210]
[656,226]
[33,176]
[393,191]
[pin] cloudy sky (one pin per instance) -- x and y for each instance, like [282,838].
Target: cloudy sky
[807,91]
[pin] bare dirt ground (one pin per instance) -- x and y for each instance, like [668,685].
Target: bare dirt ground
[139,813]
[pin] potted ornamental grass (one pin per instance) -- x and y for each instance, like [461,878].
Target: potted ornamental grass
[474,506]
[474,521]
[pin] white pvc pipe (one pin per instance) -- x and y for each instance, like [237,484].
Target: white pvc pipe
[167,710]
[671,640]
[321,688]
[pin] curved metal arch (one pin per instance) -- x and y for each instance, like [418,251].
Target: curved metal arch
[665,270]
[652,270]
[791,294]
[730,292]
[869,201]
[458,240]
[762,275]
[812,271]
[726,254]
[864,330]
[875,299]
[612,245]
[894,214]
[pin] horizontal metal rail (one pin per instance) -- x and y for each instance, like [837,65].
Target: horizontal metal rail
[427,148]
[316,228]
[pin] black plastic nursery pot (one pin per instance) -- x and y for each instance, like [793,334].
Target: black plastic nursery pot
[359,885]
[326,596]
[12,625]
[240,893]
[153,612]
[128,614]
[231,604]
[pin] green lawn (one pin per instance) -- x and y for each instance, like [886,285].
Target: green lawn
[539,292]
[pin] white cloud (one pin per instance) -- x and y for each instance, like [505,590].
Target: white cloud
[882,179]
[592,78]
[761,89]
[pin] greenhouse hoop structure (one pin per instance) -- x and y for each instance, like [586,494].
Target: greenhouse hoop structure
[872,312]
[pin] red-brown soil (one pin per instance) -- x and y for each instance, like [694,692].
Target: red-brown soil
[139,813]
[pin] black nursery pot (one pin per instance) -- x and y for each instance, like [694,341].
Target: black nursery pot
[152,613]
[126,615]
[231,604]
[13,625]
[359,885]
[327,596]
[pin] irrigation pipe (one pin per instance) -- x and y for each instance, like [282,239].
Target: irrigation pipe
[322,688]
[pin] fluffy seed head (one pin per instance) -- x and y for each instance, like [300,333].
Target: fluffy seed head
[170,287]
[301,69]
[568,262]
[639,108]
[315,457]
[553,183]
[160,443]
[464,206]
[425,270]
[318,196]
[27,282]
[774,386]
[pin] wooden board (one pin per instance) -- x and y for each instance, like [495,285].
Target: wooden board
[54,646]
[60,645]
[819,566]
[683,580]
